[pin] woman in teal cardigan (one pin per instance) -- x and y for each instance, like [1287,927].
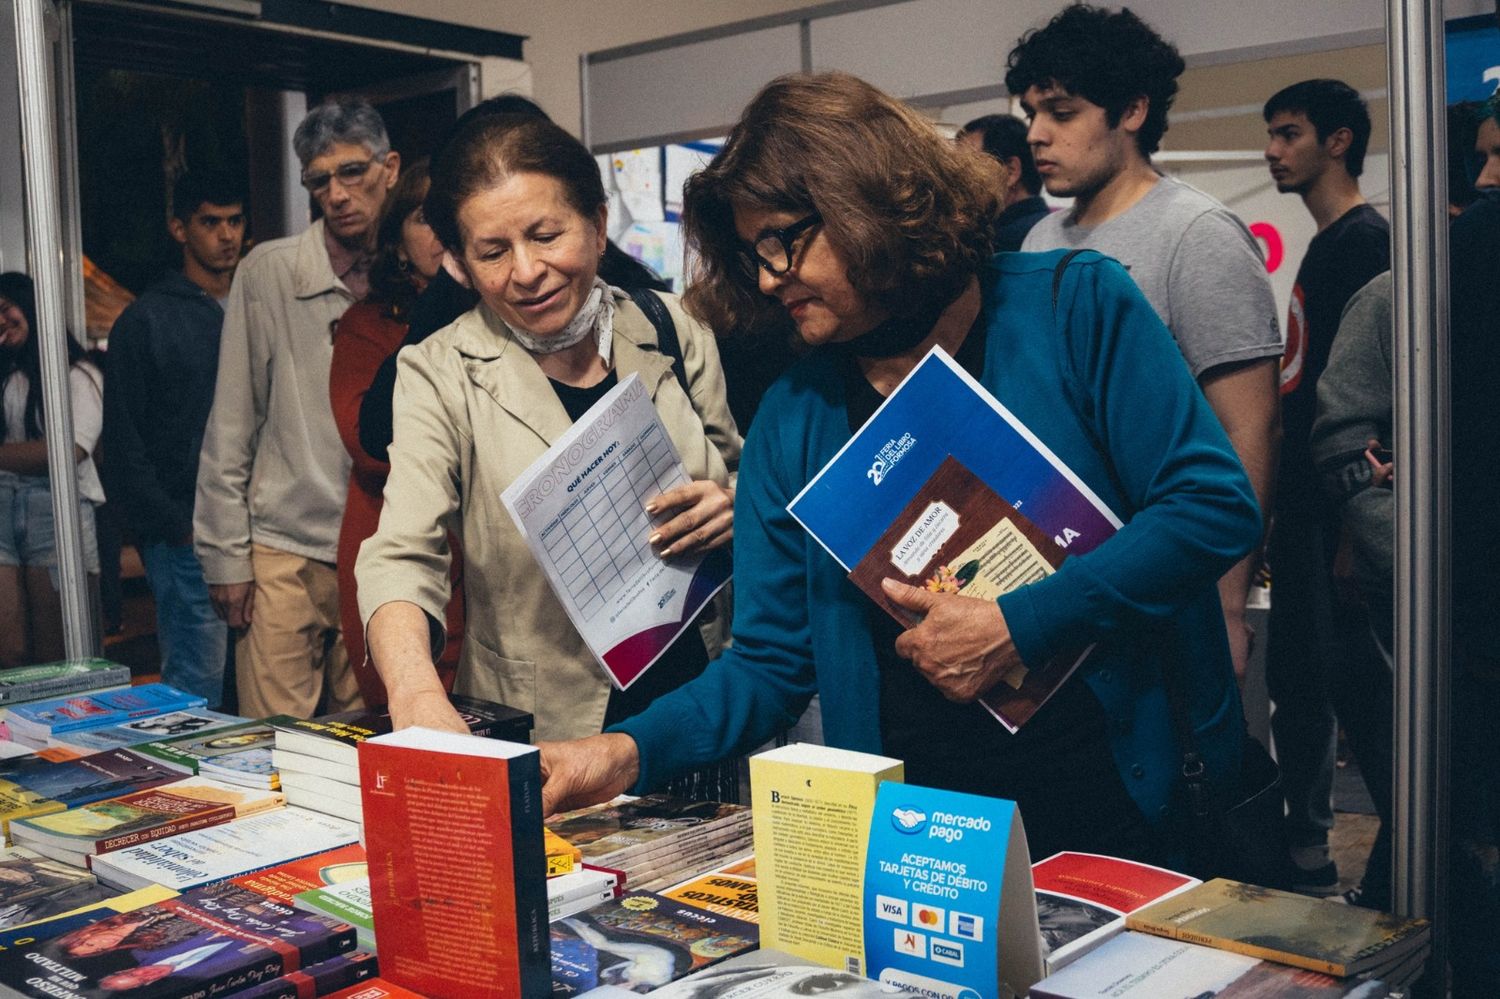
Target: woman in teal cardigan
[842,207]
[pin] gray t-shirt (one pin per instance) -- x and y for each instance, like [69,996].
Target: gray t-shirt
[1198,265]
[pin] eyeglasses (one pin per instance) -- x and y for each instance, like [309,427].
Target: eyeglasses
[347,174]
[775,249]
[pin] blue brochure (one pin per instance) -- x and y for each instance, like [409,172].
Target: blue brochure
[938,410]
[949,911]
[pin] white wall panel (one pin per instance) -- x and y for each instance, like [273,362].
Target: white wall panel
[698,89]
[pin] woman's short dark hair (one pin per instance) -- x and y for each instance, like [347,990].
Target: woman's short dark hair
[391,284]
[909,210]
[486,151]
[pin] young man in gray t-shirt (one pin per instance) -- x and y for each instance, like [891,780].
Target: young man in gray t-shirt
[1096,86]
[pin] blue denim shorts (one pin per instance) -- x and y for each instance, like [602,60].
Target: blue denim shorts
[28,535]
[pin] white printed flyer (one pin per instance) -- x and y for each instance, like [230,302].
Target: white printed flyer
[582,509]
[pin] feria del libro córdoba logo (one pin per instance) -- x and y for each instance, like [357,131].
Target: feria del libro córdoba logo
[908,820]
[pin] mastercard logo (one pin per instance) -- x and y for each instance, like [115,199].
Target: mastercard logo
[927,916]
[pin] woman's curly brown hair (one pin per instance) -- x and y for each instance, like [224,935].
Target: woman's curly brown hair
[909,210]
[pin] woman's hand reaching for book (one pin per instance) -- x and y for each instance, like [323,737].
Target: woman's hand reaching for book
[587,771]
[961,645]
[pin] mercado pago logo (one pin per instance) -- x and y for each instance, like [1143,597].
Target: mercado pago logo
[890,452]
[946,826]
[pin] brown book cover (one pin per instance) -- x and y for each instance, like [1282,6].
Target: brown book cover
[1311,933]
[957,535]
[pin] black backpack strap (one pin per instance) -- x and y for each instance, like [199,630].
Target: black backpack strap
[666,330]
[1057,275]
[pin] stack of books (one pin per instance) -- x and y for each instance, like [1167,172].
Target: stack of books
[153,728]
[237,754]
[657,840]
[35,683]
[318,758]
[79,834]
[36,723]
[34,785]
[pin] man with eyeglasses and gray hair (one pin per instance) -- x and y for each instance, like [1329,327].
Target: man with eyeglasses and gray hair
[272,475]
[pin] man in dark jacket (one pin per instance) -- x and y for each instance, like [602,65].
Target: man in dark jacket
[159,387]
[1003,136]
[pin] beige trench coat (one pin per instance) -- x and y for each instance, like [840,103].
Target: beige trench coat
[472,412]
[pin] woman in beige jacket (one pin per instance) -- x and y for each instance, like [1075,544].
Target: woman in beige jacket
[520,206]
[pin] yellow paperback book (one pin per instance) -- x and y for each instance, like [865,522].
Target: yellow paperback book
[811,810]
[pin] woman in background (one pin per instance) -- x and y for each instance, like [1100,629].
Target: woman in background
[31,628]
[407,257]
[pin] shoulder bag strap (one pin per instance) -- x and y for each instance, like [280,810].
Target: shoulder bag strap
[666,331]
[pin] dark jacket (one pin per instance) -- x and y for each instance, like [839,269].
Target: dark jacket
[1015,222]
[158,389]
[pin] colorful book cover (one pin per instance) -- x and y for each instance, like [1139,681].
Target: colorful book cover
[31,683]
[348,901]
[115,823]
[39,720]
[211,941]
[948,905]
[640,942]
[321,979]
[957,535]
[940,410]
[562,857]
[286,881]
[43,787]
[1312,933]
[725,894]
[1138,966]
[47,927]
[1082,900]
[33,887]
[458,879]
[811,809]
[602,831]
[168,725]
[187,753]
[217,853]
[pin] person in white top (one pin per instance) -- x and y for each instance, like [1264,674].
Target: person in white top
[30,612]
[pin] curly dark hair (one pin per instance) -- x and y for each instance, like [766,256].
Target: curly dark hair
[1109,58]
[910,211]
[391,284]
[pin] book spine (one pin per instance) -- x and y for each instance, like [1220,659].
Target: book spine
[529,857]
[171,827]
[49,687]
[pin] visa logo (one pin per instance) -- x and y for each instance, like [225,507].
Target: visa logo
[892,910]
[948,953]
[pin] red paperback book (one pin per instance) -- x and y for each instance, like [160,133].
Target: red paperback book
[458,886]
[284,881]
[376,988]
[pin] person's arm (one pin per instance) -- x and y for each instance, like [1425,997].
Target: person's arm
[1224,319]
[763,682]
[30,457]
[1354,407]
[221,509]
[1246,398]
[131,479]
[1194,512]
[402,570]
[85,402]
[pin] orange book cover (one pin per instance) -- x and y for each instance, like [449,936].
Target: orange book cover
[318,871]
[376,988]
[453,832]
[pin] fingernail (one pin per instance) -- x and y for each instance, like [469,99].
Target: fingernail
[666,551]
[889,584]
[650,507]
[654,538]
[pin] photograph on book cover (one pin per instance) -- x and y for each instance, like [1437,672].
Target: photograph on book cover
[958,536]
[582,509]
[939,410]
